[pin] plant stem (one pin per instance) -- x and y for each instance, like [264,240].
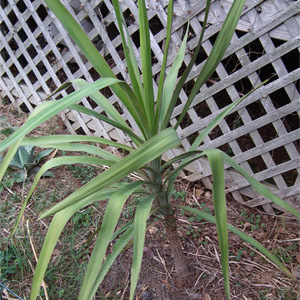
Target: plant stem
[183,275]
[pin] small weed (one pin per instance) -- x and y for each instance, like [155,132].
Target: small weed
[179,195]
[8,262]
[284,294]
[82,219]
[239,255]
[13,263]
[285,254]
[242,253]
[82,172]
[263,294]
[254,219]
[204,242]
[238,283]
[7,131]
[193,231]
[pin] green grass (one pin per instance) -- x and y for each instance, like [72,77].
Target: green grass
[83,172]
[68,264]
[254,219]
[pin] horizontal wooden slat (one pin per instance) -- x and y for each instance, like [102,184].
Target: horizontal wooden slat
[37,56]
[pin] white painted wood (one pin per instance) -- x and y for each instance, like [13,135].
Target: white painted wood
[37,56]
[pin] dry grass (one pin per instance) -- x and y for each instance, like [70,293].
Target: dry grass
[252,277]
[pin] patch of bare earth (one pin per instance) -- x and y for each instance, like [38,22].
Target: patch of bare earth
[252,276]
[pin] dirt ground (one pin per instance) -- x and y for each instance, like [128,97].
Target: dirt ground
[251,275]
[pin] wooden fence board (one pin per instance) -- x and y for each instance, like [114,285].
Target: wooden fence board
[261,133]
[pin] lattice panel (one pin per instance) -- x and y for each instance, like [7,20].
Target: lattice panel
[262,133]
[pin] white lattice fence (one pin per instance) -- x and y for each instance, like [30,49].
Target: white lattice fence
[262,134]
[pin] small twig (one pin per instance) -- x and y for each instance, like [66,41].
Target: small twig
[126,286]
[9,190]
[195,199]
[36,259]
[215,249]
[256,251]
[198,279]
[292,240]
[162,262]
[28,207]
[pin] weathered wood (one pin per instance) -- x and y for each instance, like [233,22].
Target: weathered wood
[37,56]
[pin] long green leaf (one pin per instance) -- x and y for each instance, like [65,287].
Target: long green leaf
[57,224]
[219,198]
[170,81]
[110,220]
[83,148]
[187,71]
[244,237]
[146,63]
[9,157]
[67,138]
[102,102]
[141,120]
[116,119]
[118,247]
[80,38]
[204,133]
[17,142]
[136,139]
[164,62]
[148,151]
[54,107]
[133,106]
[140,223]
[218,50]
[110,109]
[132,65]
[262,190]
[55,162]
[92,54]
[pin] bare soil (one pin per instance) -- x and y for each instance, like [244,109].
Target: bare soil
[252,276]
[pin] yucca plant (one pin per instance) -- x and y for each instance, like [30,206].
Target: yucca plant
[151,114]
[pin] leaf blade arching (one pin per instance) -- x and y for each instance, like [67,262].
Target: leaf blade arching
[136,139]
[57,224]
[139,228]
[51,108]
[145,53]
[148,151]
[68,138]
[55,162]
[170,81]
[110,219]
[261,189]
[15,145]
[90,149]
[123,240]
[243,236]
[215,56]
[102,102]
[221,116]
[94,57]
[219,199]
